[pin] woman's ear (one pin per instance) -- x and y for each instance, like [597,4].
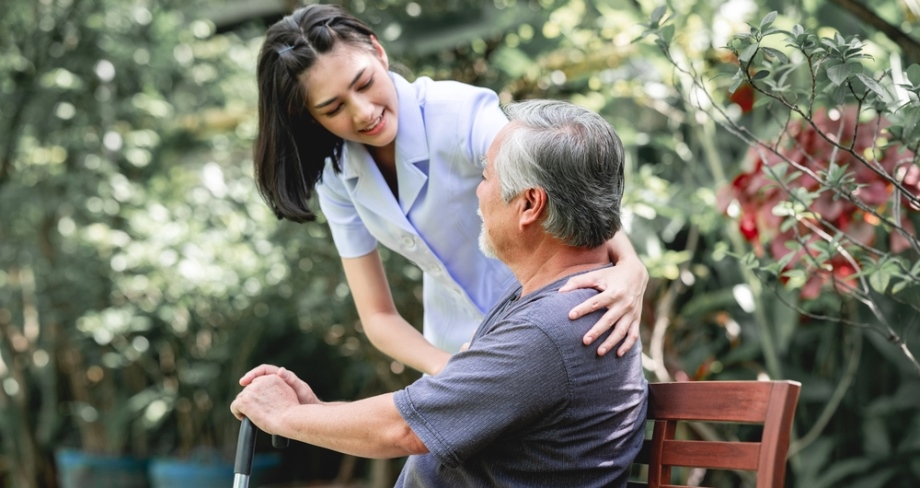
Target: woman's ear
[381,53]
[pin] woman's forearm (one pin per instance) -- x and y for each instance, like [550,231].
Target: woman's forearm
[395,337]
[619,247]
[387,330]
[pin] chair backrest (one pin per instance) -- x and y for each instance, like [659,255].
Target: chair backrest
[770,403]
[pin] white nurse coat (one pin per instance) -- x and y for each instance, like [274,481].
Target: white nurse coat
[445,128]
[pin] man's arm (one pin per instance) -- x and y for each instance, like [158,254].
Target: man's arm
[370,428]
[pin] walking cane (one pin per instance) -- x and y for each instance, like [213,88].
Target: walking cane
[246,449]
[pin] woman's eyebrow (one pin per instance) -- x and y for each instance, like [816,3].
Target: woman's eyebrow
[333,99]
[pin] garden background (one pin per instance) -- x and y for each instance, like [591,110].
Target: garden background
[772,193]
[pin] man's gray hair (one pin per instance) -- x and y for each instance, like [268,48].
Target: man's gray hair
[576,157]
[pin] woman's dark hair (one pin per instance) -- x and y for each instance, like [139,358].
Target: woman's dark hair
[291,147]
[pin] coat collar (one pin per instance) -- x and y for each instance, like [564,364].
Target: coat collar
[411,144]
[412,156]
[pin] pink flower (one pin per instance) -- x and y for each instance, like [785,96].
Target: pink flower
[806,150]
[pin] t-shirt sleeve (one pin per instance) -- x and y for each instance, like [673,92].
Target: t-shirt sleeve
[509,378]
[351,237]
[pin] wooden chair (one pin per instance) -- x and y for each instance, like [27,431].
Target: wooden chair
[771,403]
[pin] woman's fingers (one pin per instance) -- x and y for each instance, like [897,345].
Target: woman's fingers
[624,306]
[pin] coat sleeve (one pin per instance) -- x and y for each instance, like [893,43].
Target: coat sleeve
[352,238]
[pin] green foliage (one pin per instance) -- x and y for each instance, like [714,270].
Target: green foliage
[817,236]
[140,274]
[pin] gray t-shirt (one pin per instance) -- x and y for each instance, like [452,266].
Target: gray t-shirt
[528,404]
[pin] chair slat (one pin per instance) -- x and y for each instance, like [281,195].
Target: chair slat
[713,401]
[711,455]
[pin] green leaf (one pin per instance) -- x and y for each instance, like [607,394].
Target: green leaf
[910,122]
[776,53]
[836,94]
[875,436]
[896,131]
[913,74]
[840,73]
[760,75]
[785,260]
[645,33]
[796,277]
[778,171]
[666,33]
[768,20]
[658,13]
[721,250]
[829,43]
[736,82]
[854,52]
[872,84]
[748,53]
[749,261]
[879,280]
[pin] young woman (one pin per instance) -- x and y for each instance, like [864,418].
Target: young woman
[397,163]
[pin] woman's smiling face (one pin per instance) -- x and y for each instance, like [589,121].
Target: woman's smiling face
[351,94]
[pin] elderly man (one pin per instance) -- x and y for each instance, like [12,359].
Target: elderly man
[525,405]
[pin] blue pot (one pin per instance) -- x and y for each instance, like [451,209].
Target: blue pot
[210,473]
[78,469]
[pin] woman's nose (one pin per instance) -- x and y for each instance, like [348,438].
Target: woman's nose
[364,111]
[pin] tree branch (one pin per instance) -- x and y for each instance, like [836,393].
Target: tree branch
[908,44]
[13,130]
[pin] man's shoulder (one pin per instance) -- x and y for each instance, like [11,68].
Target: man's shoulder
[551,302]
[547,309]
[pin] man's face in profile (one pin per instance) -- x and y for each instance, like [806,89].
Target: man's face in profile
[493,210]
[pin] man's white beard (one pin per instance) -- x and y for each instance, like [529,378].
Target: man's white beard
[485,246]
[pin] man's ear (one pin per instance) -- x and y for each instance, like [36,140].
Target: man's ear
[533,203]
